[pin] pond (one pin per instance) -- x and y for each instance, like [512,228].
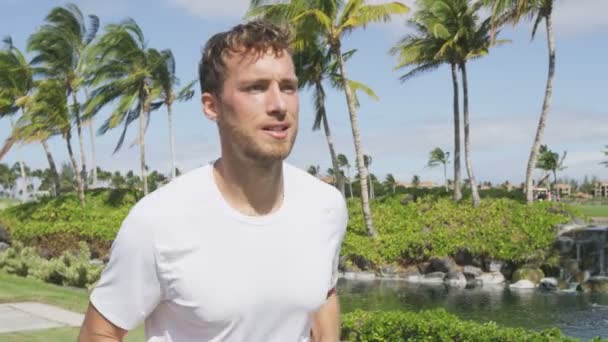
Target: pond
[578,315]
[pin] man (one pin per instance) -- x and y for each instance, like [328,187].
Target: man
[243,249]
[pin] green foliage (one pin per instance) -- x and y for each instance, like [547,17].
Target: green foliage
[99,220]
[71,268]
[435,227]
[433,325]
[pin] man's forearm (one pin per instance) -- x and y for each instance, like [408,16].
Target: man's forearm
[326,321]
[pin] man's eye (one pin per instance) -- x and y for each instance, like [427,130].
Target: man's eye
[290,88]
[255,87]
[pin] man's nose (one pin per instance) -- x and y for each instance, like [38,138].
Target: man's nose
[276,103]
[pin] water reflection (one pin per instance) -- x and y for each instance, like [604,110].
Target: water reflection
[577,314]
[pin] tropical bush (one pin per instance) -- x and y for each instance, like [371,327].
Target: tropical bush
[434,325]
[55,225]
[436,227]
[70,269]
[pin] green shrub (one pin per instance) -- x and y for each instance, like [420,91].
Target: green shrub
[433,325]
[435,227]
[71,269]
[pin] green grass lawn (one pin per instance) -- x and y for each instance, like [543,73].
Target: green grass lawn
[594,210]
[18,289]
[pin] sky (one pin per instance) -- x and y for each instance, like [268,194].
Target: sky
[506,90]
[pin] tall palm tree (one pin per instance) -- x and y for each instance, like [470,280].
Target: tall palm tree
[46,115]
[123,68]
[314,170]
[60,46]
[343,162]
[168,82]
[367,161]
[330,21]
[391,182]
[16,85]
[439,157]
[421,50]
[512,11]
[605,152]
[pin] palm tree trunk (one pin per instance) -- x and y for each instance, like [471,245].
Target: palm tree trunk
[142,147]
[445,176]
[350,182]
[171,140]
[20,161]
[545,111]
[457,176]
[52,167]
[93,158]
[83,172]
[92,137]
[330,142]
[77,178]
[354,122]
[467,136]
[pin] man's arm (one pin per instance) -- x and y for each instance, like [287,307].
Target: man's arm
[97,328]
[326,320]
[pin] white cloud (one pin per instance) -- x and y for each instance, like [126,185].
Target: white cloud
[213,9]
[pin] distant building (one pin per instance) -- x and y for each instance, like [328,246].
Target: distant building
[601,189]
[421,185]
[563,189]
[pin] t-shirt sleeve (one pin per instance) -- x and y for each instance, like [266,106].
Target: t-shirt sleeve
[129,288]
[341,223]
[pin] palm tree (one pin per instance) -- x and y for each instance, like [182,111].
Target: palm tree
[439,157]
[367,161]
[16,85]
[47,114]
[390,182]
[123,68]
[415,181]
[60,46]
[343,162]
[550,162]
[605,152]
[512,11]
[330,21]
[168,82]
[314,170]
[422,50]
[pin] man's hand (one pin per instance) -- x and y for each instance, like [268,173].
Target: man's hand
[97,328]
[326,320]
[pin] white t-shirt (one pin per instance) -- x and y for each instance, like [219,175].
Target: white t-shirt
[195,269]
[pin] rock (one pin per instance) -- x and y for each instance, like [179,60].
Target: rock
[408,271]
[564,244]
[444,265]
[389,271]
[570,267]
[494,265]
[582,277]
[527,273]
[595,285]
[424,267]
[365,276]
[548,284]
[493,278]
[472,271]
[4,246]
[523,284]
[4,235]
[433,278]
[415,278]
[563,285]
[456,279]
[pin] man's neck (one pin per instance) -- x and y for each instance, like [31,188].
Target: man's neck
[254,189]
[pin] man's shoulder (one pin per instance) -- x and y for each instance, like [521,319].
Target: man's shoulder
[311,188]
[175,195]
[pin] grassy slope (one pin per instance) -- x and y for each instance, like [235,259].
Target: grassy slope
[17,289]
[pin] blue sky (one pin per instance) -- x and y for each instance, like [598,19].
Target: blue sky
[506,90]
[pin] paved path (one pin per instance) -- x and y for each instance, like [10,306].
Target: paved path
[35,316]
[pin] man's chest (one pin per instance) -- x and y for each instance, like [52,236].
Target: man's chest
[235,273]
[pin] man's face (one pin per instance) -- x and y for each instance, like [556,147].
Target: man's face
[257,110]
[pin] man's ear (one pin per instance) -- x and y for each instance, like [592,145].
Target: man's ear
[210,106]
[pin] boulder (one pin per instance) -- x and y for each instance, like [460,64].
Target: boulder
[424,267]
[595,285]
[528,273]
[472,271]
[4,246]
[492,278]
[494,265]
[456,279]
[433,278]
[365,276]
[523,284]
[411,270]
[389,271]
[548,284]
[444,265]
